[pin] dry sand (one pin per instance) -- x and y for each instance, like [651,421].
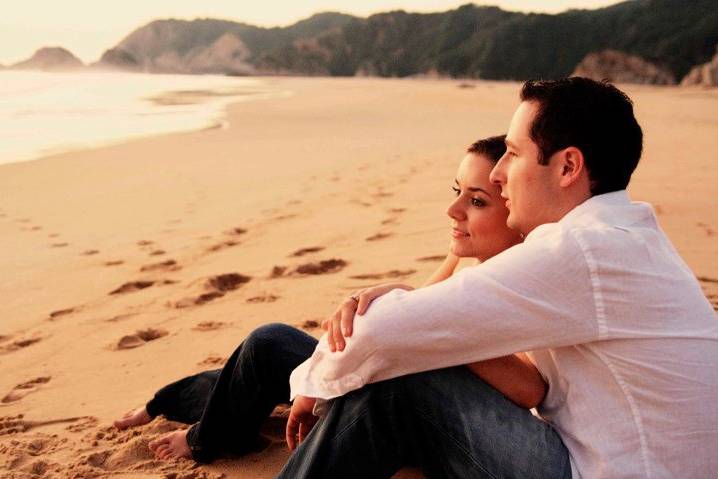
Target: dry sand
[359,169]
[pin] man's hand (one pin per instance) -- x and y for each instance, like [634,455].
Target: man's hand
[301,420]
[340,325]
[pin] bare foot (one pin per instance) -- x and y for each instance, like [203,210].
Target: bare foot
[171,446]
[137,417]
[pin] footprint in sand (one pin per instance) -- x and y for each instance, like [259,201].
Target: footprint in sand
[706,229]
[431,259]
[222,245]
[277,272]
[141,337]
[394,273]
[235,232]
[212,360]
[157,252]
[217,287]
[132,286]
[23,389]
[322,267]
[285,217]
[145,243]
[309,324]
[378,236]
[390,221]
[90,252]
[706,279]
[36,228]
[169,265]
[264,298]
[59,245]
[62,312]
[53,235]
[19,344]
[304,251]
[209,325]
[15,424]
[83,424]
[116,262]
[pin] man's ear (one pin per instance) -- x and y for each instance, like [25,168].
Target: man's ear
[571,165]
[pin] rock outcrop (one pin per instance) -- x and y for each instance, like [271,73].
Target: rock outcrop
[227,54]
[703,75]
[620,67]
[50,59]
[118,59]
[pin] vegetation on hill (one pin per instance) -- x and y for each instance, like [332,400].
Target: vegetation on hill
[470,41]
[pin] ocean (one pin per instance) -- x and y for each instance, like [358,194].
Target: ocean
[47,113]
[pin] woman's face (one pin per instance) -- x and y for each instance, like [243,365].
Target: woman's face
[478,213]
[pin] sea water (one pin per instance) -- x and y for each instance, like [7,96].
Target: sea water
[46,113]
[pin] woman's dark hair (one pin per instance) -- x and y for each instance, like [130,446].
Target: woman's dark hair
[595,117]
[492,148]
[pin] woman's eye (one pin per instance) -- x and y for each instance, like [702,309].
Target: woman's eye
[456,190]
[478,202]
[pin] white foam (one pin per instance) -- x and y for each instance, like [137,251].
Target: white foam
[45,113]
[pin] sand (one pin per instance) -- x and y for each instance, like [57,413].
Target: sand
[129,266]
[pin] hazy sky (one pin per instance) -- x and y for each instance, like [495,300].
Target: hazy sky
[89,27]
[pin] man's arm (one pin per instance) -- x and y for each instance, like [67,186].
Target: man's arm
[533,296]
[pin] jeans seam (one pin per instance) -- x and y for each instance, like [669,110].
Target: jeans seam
[456,443]
[364,411]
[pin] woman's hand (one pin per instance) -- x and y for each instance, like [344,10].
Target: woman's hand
[301,420]
[340,324]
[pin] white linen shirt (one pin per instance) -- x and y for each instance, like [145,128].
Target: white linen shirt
[614,320]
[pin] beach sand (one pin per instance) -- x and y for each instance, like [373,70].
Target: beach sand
[358,170]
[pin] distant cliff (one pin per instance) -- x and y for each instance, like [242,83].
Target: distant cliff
[621,68]
[703,75]
[470,41]
[50,59]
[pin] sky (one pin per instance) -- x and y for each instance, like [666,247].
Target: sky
[88,27]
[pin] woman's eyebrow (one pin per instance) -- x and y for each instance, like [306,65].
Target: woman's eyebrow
[474,189]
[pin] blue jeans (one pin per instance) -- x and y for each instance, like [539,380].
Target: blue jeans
[230,405]
[447,422]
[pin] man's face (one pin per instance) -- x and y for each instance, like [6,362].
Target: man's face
[527,186]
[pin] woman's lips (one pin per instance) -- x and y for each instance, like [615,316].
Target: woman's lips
[458,233]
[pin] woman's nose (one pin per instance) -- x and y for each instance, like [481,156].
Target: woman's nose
[455,211]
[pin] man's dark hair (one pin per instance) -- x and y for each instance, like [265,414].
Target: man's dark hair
[595,117]
[492,148]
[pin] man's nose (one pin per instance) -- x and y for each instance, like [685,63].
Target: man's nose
[497,175]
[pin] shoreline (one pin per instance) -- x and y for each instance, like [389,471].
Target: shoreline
[358,168]
[117,108]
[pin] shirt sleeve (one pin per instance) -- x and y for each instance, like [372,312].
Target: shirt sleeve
[536,295]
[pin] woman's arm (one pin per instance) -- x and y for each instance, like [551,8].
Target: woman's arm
[445,269]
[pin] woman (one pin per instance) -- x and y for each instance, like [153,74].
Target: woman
[228,406]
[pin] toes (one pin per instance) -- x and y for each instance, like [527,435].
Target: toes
[162,452]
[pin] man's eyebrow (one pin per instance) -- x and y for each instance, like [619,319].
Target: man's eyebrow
[474,189]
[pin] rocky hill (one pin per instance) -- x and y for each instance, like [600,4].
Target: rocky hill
[470,41]
[703,75]
[50,59]
[619,67]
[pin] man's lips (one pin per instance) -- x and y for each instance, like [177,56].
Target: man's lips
[457,233]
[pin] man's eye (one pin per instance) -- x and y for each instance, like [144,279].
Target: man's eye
[478,202]
[456,190]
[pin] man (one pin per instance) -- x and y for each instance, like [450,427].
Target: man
[614,320]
